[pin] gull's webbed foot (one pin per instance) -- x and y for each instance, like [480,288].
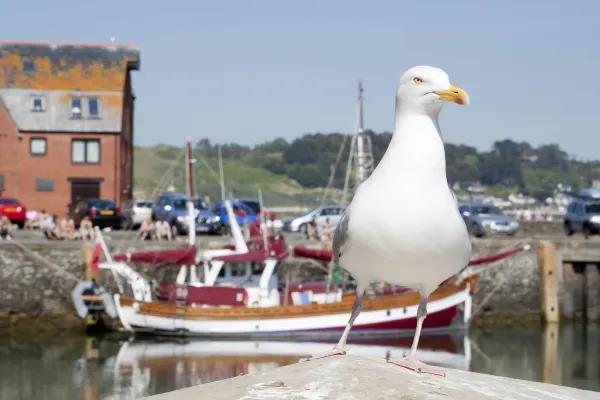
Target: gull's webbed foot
[411,362]
[335,352]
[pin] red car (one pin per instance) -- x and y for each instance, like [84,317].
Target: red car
[14,210]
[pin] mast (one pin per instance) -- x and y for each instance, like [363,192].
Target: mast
[190,194]
[364,156]
[360,151]
[222,180]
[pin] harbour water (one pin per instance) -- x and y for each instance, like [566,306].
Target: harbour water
[113,368]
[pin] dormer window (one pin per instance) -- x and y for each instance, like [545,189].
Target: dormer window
[28,66]
[38,103]
[93,107]
[76,107]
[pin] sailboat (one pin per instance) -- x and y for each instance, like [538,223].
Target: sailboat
[240,295]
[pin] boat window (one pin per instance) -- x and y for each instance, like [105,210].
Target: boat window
[238,269]
[221,272]
[257,268]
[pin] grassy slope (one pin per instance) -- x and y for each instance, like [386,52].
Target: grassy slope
[154,173]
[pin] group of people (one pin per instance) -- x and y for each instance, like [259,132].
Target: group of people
[52,227]
[159,230]
[64,229]
[323,232]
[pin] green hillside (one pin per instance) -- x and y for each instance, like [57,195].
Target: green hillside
[295,173]
[157,168]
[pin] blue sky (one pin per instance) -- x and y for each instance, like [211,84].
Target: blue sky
[250,71]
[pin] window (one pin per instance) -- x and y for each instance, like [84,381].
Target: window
[44,185]
[38,103]
[37,146]
[28,66]
[85,151]
[592,209]
[1,182]
[76,107]
[93,107]
[238,269]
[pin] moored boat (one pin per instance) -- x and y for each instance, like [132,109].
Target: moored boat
[237,292]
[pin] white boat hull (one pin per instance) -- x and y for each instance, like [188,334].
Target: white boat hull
[369,322]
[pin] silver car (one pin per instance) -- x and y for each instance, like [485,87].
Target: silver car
[484,218]
[138,212]
[299,222]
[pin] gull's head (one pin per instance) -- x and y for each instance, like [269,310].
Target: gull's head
[424,89]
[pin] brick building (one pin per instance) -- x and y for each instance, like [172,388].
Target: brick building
[66,123]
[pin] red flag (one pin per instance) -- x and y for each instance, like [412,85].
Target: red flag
[96,258]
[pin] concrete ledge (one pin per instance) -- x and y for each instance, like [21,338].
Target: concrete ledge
[357,378]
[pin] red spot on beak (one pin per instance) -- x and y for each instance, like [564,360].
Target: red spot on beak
[459,101]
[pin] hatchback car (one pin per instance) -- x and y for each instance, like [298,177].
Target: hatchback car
[484,218]
[172,208]
[14,211]
[322,213]
[242,211]
[102,213]
[583,216]
[137,212]
[253,204]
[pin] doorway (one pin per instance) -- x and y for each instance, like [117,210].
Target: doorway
[84,188]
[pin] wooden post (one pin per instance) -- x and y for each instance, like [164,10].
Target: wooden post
[288,277]
[550,354]
[548,281]
[592,282]
[88,272]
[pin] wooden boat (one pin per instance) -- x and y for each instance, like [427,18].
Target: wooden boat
[240,295]
[263,307]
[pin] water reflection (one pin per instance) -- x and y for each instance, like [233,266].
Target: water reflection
[108,369]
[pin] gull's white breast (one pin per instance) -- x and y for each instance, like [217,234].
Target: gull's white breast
[405,227]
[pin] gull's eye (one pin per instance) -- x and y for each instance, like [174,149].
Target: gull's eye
[417,80]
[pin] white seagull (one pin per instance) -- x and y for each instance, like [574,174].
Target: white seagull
[403,225]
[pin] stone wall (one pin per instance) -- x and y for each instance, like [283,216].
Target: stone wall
[31,288]
[509,288]
[537,228]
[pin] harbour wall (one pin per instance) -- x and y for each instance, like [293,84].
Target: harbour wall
[506,291]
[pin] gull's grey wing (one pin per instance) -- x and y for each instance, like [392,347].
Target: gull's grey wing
[340,235]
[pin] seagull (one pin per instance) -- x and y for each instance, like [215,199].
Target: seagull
[403,225]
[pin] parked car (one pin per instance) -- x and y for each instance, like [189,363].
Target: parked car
[103,213]
[583,216]
[14,211]
[242,211]
[299,222]
[172,208]
[137,212]
[484,218]
[253,204]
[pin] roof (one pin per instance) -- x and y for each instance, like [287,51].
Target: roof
[57,73]
[48,66]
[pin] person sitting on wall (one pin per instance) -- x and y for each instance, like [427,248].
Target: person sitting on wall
[49,227]
[5,228]
[67,228]
[147,230]
[327,231]
[31,219]
[86,229]
[163,230]
[312,229]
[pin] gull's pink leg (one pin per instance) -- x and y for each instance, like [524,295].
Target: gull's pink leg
[340,348]
[410,361]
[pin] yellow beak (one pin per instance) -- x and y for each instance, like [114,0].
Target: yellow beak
[455,94]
